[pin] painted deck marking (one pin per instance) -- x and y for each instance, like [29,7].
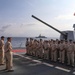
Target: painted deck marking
[34,60]
[47,64]
[50,65]
[63,69]
[73,72]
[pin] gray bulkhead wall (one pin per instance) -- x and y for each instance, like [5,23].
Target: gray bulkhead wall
[70,35]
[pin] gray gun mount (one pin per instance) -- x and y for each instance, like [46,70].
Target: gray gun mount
[63,34]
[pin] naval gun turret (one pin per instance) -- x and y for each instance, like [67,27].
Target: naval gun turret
[65,35]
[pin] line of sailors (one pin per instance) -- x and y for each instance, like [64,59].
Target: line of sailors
[54,50]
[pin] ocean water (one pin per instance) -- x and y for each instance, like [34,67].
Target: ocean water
[19,42]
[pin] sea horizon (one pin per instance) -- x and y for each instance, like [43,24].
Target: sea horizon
[19,42]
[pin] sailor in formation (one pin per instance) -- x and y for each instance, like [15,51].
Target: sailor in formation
[41,48]
[54,50]
[46,49]
[70,53]
[2,50]
[62,51]
[26,44]
[30,51]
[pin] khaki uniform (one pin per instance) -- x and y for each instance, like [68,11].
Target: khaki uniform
[1,52]
[27,47]
[49,50]
[54,52]
[58,51]
[8,55]
[37,49]
[30,48]
[40,49]
[70,53]
[46,50]
[66,48]
[62,52]
[35,44]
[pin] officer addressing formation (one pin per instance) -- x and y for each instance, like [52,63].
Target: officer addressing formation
[6,54]
[54,50]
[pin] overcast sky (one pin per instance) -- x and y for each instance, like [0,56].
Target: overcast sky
[16,20]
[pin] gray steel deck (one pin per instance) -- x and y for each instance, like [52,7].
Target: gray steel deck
[28,65]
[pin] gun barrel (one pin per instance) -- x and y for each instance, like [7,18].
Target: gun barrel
[48,25]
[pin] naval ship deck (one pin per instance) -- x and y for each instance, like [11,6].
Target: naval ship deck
[28,65]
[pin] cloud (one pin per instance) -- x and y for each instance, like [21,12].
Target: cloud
[22,30]
[4,28]
[21,25]
[30,24]
[65,17]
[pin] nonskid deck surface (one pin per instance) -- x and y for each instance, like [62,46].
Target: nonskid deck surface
[28,65]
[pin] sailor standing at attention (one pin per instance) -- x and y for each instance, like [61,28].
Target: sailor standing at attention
[27,45]
[62,51]
[2,50]
[54,51]
[8,55]
[70,53]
